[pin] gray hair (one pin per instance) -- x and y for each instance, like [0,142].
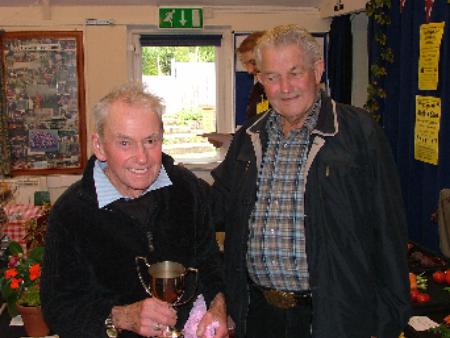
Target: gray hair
[285,35]
[130,93]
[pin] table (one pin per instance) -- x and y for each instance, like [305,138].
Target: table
[439,305]
[18,216]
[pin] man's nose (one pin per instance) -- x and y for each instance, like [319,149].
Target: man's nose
[140,153]
[285,84]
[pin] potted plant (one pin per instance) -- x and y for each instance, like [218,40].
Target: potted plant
[19,279]
[19,285]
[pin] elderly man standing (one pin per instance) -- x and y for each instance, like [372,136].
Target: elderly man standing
[315,242]
[132,201]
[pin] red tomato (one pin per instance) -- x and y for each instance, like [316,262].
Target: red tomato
[413,294]
[439,277]
[447,320]
[447,277]
[423,298]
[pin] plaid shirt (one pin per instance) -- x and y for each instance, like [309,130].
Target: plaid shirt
[276,256]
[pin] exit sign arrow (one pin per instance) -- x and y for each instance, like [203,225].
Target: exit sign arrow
[183,21]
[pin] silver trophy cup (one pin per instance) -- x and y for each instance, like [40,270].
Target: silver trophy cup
[167,282]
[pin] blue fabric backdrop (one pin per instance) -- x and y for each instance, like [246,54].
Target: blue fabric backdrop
[421,182]
[340,59]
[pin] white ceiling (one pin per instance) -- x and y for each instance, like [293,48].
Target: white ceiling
[202,3]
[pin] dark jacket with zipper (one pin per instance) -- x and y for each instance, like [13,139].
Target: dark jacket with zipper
[355,225]
[89,264]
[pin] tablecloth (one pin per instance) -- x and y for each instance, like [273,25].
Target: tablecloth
[18,215]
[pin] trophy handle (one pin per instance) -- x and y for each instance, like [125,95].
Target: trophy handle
[178,301]
[138,269]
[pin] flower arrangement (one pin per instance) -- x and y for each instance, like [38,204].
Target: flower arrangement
[19,272]
[19,280]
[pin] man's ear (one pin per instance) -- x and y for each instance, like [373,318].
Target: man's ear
[318,70]
[97,147]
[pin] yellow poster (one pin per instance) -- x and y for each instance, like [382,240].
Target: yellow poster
[426,134]
[430,44]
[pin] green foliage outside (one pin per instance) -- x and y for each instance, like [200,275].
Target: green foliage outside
[187,115]
[197,120]
[157,60]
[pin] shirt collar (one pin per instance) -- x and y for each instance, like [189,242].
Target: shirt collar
[108,193]
[275,119]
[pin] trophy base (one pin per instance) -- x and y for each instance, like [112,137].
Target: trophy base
[171,333]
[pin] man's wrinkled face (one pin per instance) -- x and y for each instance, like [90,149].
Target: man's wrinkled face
[290,81]
[131,146]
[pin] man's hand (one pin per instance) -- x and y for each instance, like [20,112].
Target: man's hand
[215,318]
[148,317]
[219,140]
[215,143]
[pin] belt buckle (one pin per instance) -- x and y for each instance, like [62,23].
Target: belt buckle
[281,299]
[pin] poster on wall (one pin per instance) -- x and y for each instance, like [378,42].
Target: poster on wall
[45,109]
[430,44]
[426,133]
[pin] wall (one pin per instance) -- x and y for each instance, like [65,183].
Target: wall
[108,49]
[107,60]
[25,187]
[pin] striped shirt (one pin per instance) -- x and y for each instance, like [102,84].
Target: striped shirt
[107,192]
[276,256]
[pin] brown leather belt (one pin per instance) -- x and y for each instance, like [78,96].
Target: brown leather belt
[285,299]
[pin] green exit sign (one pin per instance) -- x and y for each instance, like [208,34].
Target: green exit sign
[180,17]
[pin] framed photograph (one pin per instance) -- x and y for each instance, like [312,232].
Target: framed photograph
[45,101]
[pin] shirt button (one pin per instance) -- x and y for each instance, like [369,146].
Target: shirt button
[285,145]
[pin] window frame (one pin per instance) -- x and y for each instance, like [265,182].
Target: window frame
[225,110]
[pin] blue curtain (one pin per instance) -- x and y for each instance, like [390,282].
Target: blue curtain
[421,182]
[340,59]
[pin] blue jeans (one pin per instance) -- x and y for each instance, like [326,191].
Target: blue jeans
[267,321]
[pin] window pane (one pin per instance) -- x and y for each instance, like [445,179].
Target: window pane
[185,77]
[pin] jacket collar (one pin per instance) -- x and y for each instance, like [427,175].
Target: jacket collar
[327,123]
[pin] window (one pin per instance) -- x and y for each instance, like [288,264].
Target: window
[182,70]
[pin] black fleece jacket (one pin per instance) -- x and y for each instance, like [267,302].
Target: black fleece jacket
[89,264]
